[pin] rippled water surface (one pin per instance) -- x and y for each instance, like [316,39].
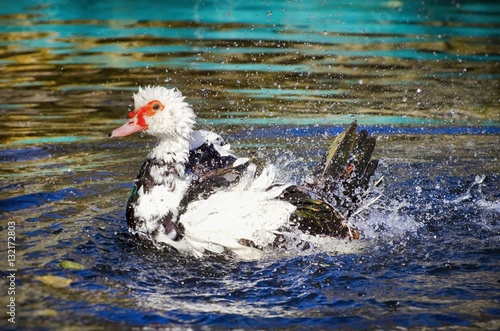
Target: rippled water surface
[276,79]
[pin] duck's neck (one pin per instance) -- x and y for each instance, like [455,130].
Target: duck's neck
[163,186]
[171,150]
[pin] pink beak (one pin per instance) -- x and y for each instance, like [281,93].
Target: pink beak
[126,129]
[136,120]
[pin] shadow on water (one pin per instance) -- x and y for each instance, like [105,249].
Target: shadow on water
[276,80]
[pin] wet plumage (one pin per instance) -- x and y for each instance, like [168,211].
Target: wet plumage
[194,194]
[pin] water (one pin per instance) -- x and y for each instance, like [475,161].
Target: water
[275,79]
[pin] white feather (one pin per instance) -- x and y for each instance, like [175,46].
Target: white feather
[226,217]
[200,137]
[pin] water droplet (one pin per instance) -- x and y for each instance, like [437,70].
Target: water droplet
[479,179]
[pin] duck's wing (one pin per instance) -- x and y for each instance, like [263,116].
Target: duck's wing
[143,180]
[207,158]
[212,166]
[208,152]
[207,181]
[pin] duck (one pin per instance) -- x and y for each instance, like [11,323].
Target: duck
[195,195]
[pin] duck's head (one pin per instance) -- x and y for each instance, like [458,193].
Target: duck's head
[160,112]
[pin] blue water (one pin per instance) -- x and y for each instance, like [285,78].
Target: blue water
[277,80]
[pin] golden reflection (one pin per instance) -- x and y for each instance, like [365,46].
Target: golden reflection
[64,80]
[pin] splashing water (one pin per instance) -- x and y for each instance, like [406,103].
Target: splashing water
[422,77]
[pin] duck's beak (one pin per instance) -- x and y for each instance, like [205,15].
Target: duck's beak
[133,125]
[137,119]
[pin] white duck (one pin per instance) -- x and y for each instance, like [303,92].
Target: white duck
[194,194]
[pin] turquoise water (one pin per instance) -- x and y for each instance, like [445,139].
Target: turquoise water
[277,80]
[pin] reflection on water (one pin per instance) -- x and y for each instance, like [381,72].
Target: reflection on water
[387,58]
[271,77]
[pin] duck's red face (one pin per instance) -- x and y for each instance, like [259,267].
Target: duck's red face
[138,119]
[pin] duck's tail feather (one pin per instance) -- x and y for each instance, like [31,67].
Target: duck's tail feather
[339,185]
[343,176]
[348,158]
